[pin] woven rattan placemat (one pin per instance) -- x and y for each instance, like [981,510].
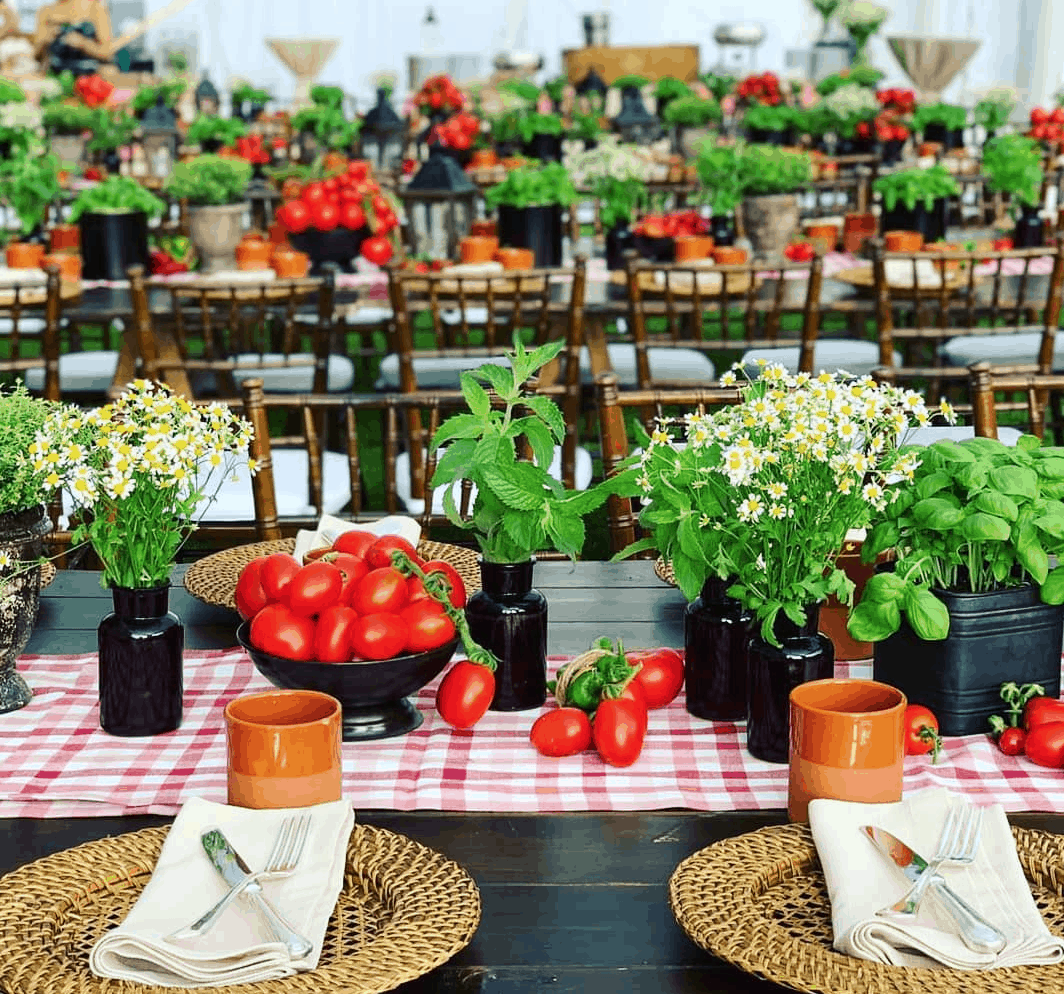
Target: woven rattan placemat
[47,574]
[759,902]
[664,571]
[404,910]
[213,578]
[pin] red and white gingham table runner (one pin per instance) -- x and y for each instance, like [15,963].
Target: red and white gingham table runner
[55,762]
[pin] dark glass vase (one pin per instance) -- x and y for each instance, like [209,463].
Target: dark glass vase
[619,239]
[1028,232]
[716,629]
[141,681]
[508,616]
[722,228]
[773,673]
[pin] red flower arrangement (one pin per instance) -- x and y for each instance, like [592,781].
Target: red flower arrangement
[94,90]
[763,89]
[457,132]
[678,224]
[889,128]
[800,252]
[251,149]
[899,101]
[438,93]
[1046,126]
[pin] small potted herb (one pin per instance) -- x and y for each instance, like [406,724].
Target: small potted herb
[542,136]
[111,129]
[211,133]
[555,89]
[216,191]
[770,178]
[587,128]
[994,110]
[719,85]
[530,202]
[167,94]
[692,117]
[718,173]
[770,125]
[971,597]
[69,126]
[942,123]
[666,90]
[323,127]
[249,102]
[28,184]
[113,218]
[917,200]
[1013,165]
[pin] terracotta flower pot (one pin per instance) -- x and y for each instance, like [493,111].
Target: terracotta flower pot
[728,255]
[24,255]
[253,254]
[479,248]
[516,258]
[215,232]
[693,247]
[64,236]
[484,158]
[856,230]
[69,265]
[770,222]
[484,227]
[289,264]
[903,241]
[825,237]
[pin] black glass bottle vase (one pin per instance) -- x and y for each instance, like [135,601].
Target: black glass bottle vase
[803,655]
[141,645]
[716,628]
[509,617]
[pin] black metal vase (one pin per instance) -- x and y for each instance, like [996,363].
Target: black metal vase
[111,243]
[930,223]
[1029,231]
[722,229]
[535,228]
[141,645]
[716,629]
[508,616]
[619,239]
[803,654]
[545,147]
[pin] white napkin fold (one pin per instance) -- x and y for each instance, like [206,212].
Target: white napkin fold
[899,272]
[239,948]
[330,528]
[22,277]
[861,880]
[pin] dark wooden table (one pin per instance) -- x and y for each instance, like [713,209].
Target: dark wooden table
[573,903]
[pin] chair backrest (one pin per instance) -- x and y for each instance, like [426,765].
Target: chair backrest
[748,298]
[21,350]
[1034,389]
[835,196]
[219,333]
[651,405]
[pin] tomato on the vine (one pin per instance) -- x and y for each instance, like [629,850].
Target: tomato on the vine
[313,193]
[352,216]
[377,250]
[465,693]
[378,636]
[427,625]
[635,693]
[379,554]
[325,215]
[561,732]
[661,676]
[332,637]
[921,732]
[380,590]
[458,591]
[314,588]
[250,595]
[278,630]
[277,573]
[356,542]
[294,216]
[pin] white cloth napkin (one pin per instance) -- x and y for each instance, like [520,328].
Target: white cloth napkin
[22,277]
[899,272]
[861,880]
[330,528]
[239,948]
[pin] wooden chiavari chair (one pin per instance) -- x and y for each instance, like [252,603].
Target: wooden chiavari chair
[30,334]
[1026,401]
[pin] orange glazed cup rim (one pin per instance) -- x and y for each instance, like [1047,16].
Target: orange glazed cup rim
[261,711]
[816,696]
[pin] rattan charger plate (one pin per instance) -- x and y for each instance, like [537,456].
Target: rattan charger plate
[862,278]
[404,910]
[664,571]
[759,902]
[213,578]
[47,574]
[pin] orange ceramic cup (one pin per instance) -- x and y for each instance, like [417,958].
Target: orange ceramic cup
[253,253]
[69,265]
[284,749]
[823,236]
[64,236]
[485,227]
[903,241]
[846,743]
[24,255]
[693,247]
[728,255]
[516,258]
[479,248]
[857,229]
[289,264]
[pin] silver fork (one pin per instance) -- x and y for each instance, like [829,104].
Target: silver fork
[282,862]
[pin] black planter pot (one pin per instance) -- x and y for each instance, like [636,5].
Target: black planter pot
[341,245]
[761,137]
[948,138]
[619,239]
[141,681]
[931,224]
[722,229]
[855,146]
[716,630]
[1029,231]
[509,618]
[506,149]
[111,161]
[656,249]
[536,228]
[111,243]
[1003,635]
[803,655]
[546,148]
[211,145]
[892,150]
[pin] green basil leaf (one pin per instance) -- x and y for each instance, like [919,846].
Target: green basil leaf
[1031,555]
[973,475]
[930,485]
[1017,481]
[997,504]
[937,514]
[980,527]
[1051,524]
[873,621]
[1053,587]
[1028,442]
[884,587]
[927,615]
[1051,469]
[952,452]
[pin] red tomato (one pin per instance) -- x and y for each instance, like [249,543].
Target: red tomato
[314,588]
[561,732]
[1011,741]
[618,732]
[278,630]
[427,626]
[1039,116]
[325,215]
[380,590]
[661,676]
[465,693]
[332,639]
[387,222]
[313,193]
[355,542]
[378,636]
[921,732]
[379,554]
[358,169]
[635,693]
[352,567]
[1045,745]
[331,186]
[1057,115]
[277,573]
[1040,132]
[352,216]
[1042,711]
[458,591]
[250,597]
[377,250]
[294,216]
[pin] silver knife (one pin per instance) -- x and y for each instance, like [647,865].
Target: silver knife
[975,931]
[238,876]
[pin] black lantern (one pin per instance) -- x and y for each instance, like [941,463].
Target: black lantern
[440,203]
[383,134]
[635,123]
[591,92]
[208,100]
[159,138]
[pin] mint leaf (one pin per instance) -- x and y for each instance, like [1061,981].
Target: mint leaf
[540,438]
[524,530]
[455,463]
[510,494]
[501,379]
[457,426]
[567,533]
[548,411]
[475,396]
[539,357]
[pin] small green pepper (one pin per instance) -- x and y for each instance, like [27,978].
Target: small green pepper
[585,692]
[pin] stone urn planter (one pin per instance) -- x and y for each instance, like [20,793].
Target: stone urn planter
[215,232]
[68,149]
[690,138]
[770,222]
[21,533]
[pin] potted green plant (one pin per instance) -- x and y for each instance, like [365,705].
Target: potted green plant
[211,133]
[856,75]
[111,129]
[323,127]
[113,218]
[555,89]
[666,90]
[692,117]
[848,113]
[718,174]
[529,203]
[994,109]
[505,132]
[216,191]
[28,184]
[587,128]
[971,600]
[917,200]
[19,120]
[249,102]
[1013,165]
[770,178]
[541,135]
[69,126]
[769,125]
[23,525]
[942,123]
[518,509]
[167,94]
[719,85]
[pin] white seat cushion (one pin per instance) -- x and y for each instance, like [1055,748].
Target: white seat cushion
[581,473]
[296,378]
[26,326]
[372,315]
[1001,350]
[441,373]
[667,365]
[857,358]
[79,372]
[474,316]
[953,433]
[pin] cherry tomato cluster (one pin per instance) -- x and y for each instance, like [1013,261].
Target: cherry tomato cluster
[439,93]
[1047,126]
[251,149]
[345,603]
[674,225]
[1033,727]
[800,251]
[350,199]
[898,100]
[457,132]
[763,89]
[921,732]
[94,90]
[887,127]
[609,705]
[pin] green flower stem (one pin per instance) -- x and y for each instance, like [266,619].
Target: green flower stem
[1017,697]
[438,587]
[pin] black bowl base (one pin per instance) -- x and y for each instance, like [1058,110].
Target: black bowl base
[383,721]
